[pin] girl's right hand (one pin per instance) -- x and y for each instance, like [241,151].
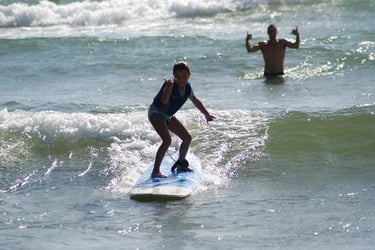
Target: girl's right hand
[169,82]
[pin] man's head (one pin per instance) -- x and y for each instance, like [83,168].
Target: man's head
[272,31]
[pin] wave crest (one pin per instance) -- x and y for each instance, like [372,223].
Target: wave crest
[112,12]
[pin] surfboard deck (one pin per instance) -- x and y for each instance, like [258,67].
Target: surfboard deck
[178,185]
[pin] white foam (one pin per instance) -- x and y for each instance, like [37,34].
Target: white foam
[192,8]
[82,17]
[235,137]
[111,12]
[221,147]
[55,125]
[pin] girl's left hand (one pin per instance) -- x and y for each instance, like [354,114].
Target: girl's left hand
[209,118]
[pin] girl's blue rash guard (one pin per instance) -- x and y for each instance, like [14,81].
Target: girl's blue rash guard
[176,100]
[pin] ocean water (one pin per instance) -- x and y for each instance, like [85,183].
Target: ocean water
[285,166]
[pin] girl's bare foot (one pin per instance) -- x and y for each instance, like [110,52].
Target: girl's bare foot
[158,175]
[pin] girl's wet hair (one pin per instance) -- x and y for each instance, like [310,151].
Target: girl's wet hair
[181,65]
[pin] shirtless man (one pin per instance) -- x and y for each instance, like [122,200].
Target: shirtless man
[273,51]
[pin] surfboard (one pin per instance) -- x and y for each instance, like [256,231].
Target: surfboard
[177,186]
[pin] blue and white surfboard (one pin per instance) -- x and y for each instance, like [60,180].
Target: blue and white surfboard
[178,185]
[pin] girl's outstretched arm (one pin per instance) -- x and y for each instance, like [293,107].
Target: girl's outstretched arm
[197,103]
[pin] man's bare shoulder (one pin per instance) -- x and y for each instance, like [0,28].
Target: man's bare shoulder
[262,44]
[287,43]
[283,41]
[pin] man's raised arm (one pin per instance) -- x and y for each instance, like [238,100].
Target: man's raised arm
[248,45]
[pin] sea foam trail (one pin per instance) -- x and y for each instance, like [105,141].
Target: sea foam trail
[222,147]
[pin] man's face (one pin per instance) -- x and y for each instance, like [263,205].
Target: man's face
[272,31]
